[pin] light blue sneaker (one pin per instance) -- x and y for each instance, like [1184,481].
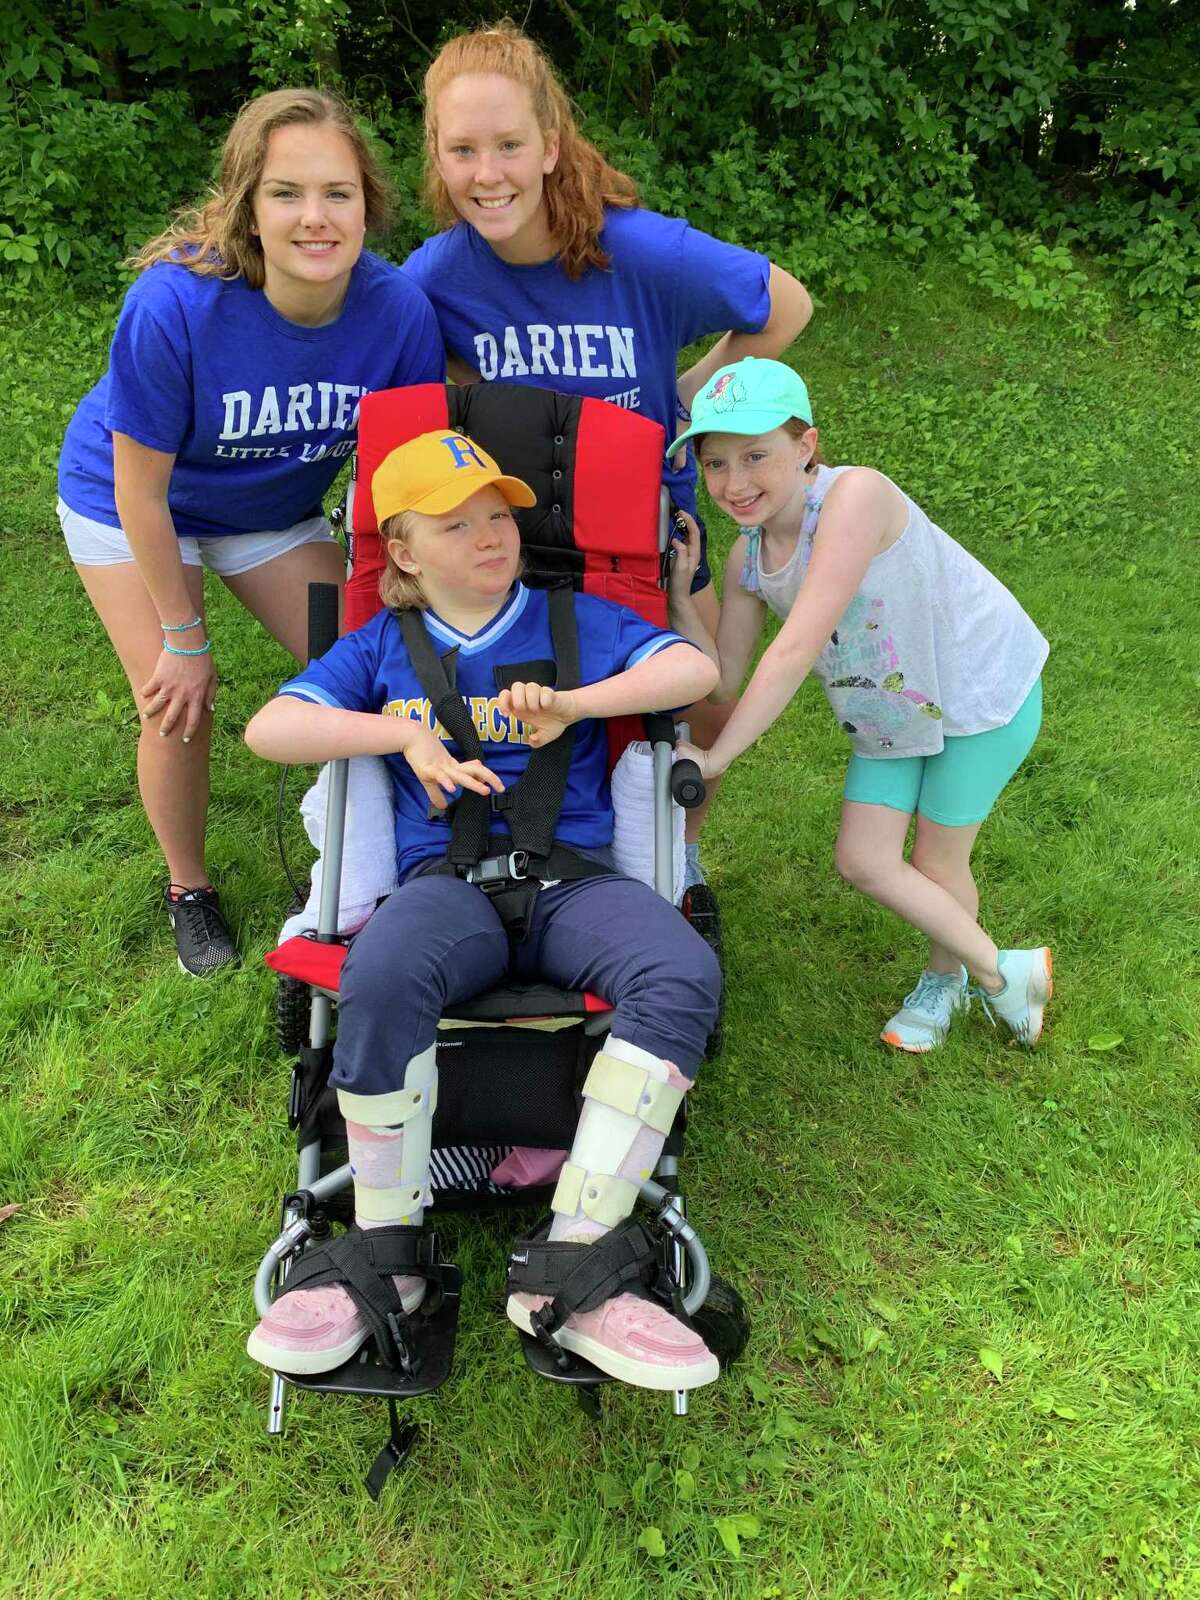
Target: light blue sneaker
[1028,984]
[928,1011]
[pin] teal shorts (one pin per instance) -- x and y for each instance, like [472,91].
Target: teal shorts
[958,786]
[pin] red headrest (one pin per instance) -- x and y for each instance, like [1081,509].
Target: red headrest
[386,419]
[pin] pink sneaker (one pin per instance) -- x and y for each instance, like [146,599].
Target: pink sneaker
[636,1340]
[315,1330]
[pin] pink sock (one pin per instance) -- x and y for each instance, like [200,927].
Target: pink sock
[375,1163]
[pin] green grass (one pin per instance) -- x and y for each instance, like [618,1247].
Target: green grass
[888,1218]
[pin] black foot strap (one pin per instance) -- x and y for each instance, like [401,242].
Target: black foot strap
[403,1437]
[580,1276]
[364,1261]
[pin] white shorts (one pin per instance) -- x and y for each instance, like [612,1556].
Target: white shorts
[95,544]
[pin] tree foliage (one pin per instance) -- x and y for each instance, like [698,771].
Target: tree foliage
[1018,132]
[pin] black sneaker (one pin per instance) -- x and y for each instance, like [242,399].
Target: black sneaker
[202,935]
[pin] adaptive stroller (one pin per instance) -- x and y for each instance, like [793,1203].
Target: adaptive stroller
[511,1062]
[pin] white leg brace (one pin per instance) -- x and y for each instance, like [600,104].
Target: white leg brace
[389,1137]
[630,1102]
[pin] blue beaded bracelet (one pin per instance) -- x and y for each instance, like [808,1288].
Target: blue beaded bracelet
[175,651]
[181,627]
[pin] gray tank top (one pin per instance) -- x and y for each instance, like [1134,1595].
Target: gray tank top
[931,644]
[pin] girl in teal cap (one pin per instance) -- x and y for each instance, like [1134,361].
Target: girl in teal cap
[930,665]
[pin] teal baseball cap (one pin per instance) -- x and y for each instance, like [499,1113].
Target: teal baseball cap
[753,395]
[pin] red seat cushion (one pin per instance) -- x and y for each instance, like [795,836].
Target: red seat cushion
[302,958]
[321,965]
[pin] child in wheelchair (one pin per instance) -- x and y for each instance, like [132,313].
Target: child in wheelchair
[506,730]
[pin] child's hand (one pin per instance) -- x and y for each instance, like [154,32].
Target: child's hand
[545,712]
[685,556]
[440,774]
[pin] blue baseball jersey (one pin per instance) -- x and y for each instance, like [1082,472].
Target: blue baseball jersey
[370,670]
[259,412]
[613,334]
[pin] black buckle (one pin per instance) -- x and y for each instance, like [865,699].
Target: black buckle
[541,1321]
[496,871]
[406,1357]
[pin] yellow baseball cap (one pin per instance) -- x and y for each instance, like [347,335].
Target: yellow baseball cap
[436,472]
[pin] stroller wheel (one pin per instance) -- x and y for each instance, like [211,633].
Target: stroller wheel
[723,1322]
[292,1004]
[701,910]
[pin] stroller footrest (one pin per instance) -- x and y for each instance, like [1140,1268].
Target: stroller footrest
[431,1335]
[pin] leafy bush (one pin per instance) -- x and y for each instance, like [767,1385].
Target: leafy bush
[1071,123]
[1019,133]
[83,182]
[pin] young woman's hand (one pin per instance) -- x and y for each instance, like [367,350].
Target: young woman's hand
[685,556]
[440,774]
[545,712]
[182,686]
[703,759]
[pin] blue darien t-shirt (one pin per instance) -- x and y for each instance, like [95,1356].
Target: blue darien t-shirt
[370,670]
[259,412]
[613,334]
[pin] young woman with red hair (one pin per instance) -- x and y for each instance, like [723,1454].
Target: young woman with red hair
[562,279]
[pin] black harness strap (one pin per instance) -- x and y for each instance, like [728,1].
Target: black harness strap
[532,805]
[509,868]
[469,824]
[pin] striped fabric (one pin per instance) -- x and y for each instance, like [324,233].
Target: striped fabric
[467,1167]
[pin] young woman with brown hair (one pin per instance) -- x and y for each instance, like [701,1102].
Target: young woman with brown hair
[255,324]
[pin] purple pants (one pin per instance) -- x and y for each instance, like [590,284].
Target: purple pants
[438,940]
